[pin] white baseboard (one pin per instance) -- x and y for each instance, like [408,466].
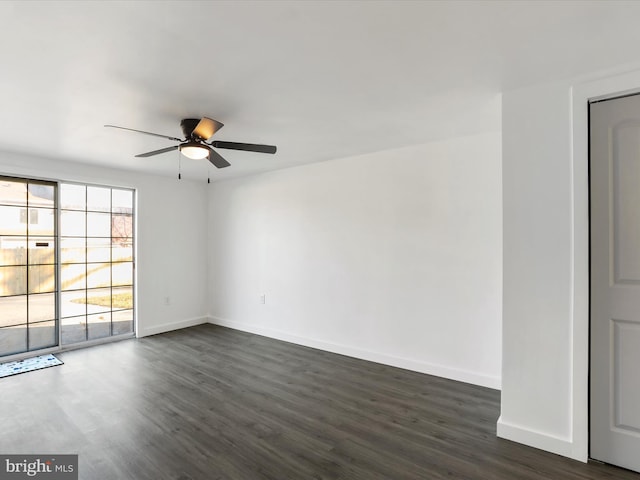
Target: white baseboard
[541,440]
[407,364]
[167,327]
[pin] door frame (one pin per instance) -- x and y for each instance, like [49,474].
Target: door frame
[581,94]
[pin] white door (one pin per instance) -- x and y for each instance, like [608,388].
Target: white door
[615,281]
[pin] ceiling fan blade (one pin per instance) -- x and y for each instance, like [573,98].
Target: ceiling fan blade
[216,159]
[157,152]
[206,128]
[247,147]
[146,133]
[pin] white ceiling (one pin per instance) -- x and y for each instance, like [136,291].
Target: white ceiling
[320,80]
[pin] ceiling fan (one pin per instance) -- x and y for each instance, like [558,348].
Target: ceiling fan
[194,145]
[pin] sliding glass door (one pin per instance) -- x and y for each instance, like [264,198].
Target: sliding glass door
[96,258]
[27,265]
[77,291]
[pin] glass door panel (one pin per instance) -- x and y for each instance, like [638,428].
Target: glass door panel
[73,303]
[13,280]
[42,335]
[14,310]
[13,339]
[79,290]
[73,329]
[73,250]
[72,224]
[99,225]
[73,276]
[42,307]
[27,265]
[99,199]
[96,227]
[99,325]
[98,250]
[42,250]
[13,219]
[122,321]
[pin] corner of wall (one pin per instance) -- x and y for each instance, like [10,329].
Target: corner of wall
[540,440]
[168,327]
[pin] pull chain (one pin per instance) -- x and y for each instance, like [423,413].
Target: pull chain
[179,166]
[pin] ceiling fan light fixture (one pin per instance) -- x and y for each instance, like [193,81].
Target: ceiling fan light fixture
[194,151]
[194,146]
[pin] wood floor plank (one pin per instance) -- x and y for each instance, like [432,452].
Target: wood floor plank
[209,403]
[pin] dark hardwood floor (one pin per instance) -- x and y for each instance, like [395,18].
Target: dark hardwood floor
[213,403]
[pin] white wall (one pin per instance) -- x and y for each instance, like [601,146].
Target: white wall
[536,368]
[171,237]
[393,257]
[546,261]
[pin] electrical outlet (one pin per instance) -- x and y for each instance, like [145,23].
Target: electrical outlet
[263,299]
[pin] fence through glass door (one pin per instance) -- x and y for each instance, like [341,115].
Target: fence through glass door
[27,265]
